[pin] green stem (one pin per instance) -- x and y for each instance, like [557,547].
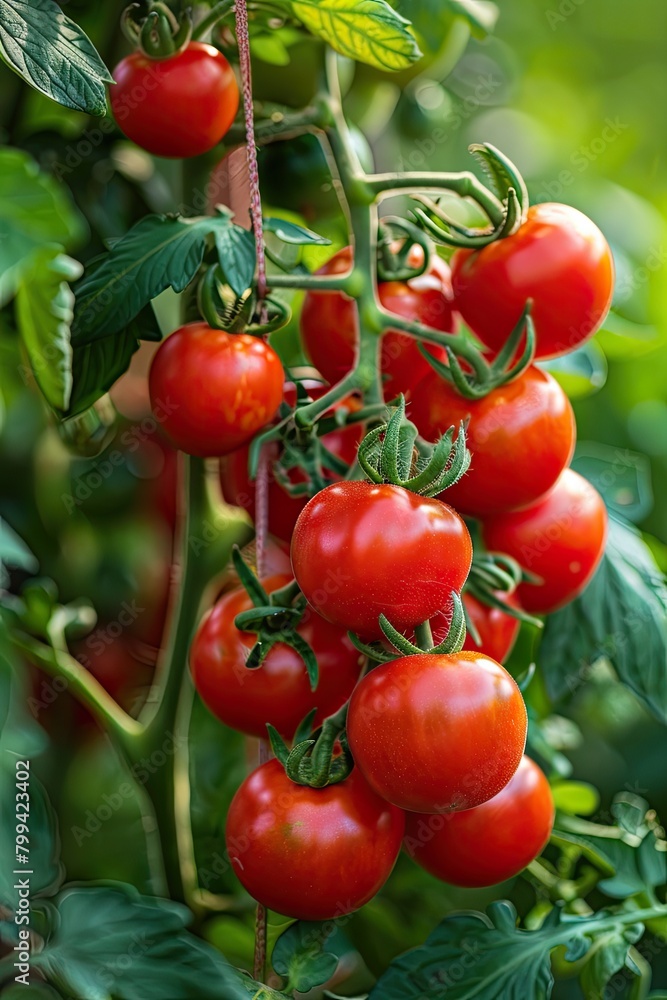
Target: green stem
[459,345]
[316,282]
[278,125]
[464,184]
[217,13]
[424,636]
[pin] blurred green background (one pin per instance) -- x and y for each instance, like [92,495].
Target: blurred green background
[574,92]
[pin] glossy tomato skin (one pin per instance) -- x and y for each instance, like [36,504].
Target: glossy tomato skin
[521,437]
[279,691]
[559,259]
[329,324]
[490,843]
[360,550]
[311,853]
[239,489]
[176,107]
[434,733]
[561,538]
[212,391]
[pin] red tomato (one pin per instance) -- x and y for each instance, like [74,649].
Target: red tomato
[239,489]
[180,106]
[497,630]
[521,437]
[561,539]
[279,691]
[434,733]
[311,853]
[559,259]
[329,324]
[211,390]
[360,550]
[490,843]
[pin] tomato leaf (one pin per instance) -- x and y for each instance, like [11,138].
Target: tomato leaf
[34,210]
[53,54]
[236,254]
[159,252]
[620,617]
[290,232]
[623,477]
[44,310]
[472,956]
[369,31]
[300,956]
[115,942]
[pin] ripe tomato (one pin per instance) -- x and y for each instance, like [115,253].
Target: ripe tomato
[360,550]
[434,732]
[211,390]
[559,259]
[497,630]
[180,106]
[490,843]
[279,691]
[329,324]
[521,437]
[239,489]
[561,539]
[311,853]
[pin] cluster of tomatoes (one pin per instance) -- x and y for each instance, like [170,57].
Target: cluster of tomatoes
[437,738]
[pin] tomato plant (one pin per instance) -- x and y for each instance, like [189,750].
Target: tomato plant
[559,259]
[311,853]
[194,386]
[180,106]
[560,540]
[329,325]
[360,550]
[410,715]
[491,842]
[279,690]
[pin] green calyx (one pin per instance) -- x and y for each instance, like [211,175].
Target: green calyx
[393,453]
[452,643]
[394,264]
[224,310]
[274,619]
[159,34]
[506,183]
[503,369]
[312,760]
[494,572]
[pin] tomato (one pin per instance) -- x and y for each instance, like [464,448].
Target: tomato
[435,732]
[311,853]
[521,437]
[180,106]
[493,841]
[360,550]
[211,390]
[497,630]
[279,691]
[559,259]
[283,509]
[561,539]
[329,324]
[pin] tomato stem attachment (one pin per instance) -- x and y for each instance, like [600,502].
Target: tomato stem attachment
[492,572]
[313,761]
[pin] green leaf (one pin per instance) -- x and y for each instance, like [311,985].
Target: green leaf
[621,617]
[300,956]
[290,232]
[44,310]
[34,210]
[14,553]
[575,797]
[115,942]
[623,477]
[607,957]
[159,252]
[236,254]
[44,845]
[53,54]
[366,30]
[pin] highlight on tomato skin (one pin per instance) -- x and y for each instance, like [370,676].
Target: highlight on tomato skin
[279,690]
[560,539]
[490,843]
[311,853]
[559,259]
[437,732]
[521,437]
